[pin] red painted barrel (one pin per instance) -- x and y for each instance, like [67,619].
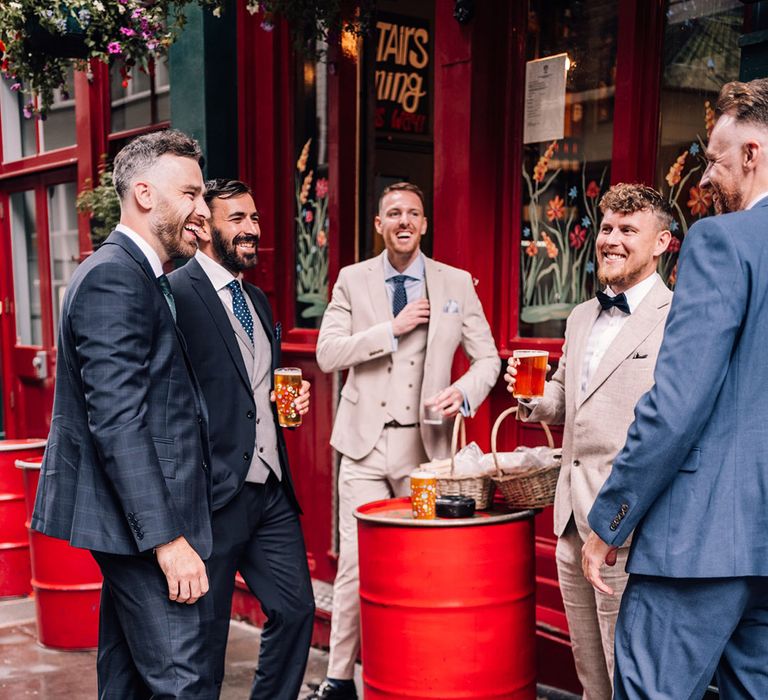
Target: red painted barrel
[14,545]
[66,581]
[447,606]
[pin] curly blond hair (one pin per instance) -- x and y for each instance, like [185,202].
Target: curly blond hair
[629,198]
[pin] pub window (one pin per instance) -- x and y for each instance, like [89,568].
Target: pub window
[139,97]
[701,53]
[25,135]
[311,190]
[566,167]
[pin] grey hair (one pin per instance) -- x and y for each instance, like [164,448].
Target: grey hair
[142,153]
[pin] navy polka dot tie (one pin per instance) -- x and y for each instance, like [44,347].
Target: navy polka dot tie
[240,308]
[399,297]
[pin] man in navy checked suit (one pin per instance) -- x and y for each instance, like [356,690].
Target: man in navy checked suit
[234,351]
[125,472]
[692,479]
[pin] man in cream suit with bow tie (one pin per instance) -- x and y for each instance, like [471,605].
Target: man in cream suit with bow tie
[610,350]
[394,322]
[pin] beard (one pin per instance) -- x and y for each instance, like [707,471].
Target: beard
[229,256]
[168,227]
[726,201]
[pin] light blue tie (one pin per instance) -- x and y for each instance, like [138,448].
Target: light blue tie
[240,308]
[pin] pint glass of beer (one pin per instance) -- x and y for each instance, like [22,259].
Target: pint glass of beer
[531,373]
[287,385]
[423,494]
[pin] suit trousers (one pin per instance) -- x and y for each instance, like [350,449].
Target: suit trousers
[150,646]
[258,534]
[591,614]
[382,473]
[673,635]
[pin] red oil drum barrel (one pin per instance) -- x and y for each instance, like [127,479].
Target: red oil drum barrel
[14,545]
[66,581]
[447,606]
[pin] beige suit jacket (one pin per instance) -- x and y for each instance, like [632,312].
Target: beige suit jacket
[356,335]
[595,425]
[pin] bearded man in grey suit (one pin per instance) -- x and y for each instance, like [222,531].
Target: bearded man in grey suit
[610,350]
[395,322]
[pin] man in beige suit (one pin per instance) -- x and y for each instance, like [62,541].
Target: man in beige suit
[394,322]
[610,350]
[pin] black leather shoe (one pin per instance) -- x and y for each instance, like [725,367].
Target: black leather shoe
[326,691]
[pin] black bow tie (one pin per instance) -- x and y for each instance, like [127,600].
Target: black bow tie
[619,301]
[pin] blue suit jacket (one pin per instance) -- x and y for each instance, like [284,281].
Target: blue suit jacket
[693,475]
[223,377]
[125,468]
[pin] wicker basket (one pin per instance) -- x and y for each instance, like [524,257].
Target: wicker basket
[479,487]
[528,487]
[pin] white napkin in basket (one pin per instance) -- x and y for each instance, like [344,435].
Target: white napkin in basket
[518,458]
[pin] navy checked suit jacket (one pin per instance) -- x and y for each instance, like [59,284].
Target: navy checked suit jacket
[693,475]
[219,366]
[125,468]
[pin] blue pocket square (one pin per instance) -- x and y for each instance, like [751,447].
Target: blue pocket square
[451,307]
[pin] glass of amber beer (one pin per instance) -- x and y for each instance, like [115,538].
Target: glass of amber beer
[423,494]
[287,385]
[531,373]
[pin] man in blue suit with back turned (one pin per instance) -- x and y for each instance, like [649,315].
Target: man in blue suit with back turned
[125,472]
[692,479]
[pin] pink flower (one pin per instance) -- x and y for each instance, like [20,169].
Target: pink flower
[674,245]
[577,236]
[114,47]
[308,216]
[321,187]
[127,31]
[593,190]
[322,238]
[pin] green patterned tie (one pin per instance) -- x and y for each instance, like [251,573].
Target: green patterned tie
[165,285]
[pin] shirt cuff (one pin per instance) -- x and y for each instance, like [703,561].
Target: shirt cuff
[393,338]
[465,409]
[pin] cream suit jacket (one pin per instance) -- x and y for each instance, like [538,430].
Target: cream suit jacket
[595,425]
[355,335]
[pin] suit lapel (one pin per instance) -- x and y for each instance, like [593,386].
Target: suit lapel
[635,330]
[202,285]
[436,293]
[578,340]
[377,289]
[264,318]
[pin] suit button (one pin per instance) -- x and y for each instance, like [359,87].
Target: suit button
[246,456]
[199,419]
[410,386]
[389,369]
[261,450]
[383,403]
[624,508]
[140,535]
[258,420]
[412,363]
[407,408]
[614,526]
[576,463]
[250,414]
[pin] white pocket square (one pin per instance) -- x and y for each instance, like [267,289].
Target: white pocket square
[451,307]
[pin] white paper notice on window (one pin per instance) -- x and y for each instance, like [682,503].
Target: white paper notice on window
[545,99]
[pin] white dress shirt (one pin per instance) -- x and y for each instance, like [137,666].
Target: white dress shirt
[220,277]
[149,252]
[607,327]
[759,197]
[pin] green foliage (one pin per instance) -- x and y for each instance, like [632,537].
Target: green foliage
[102,204]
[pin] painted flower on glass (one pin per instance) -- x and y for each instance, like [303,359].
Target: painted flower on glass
[675,172]
[556,208]
[322,238]
[593,190]
[301,163]
[700,201]
[674,245]
[308,216]
[304,193]
[709,118]
[531,249]
[673,276]
[540,169]
[590,267]
[321,187]
[552,250]
[577,236]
